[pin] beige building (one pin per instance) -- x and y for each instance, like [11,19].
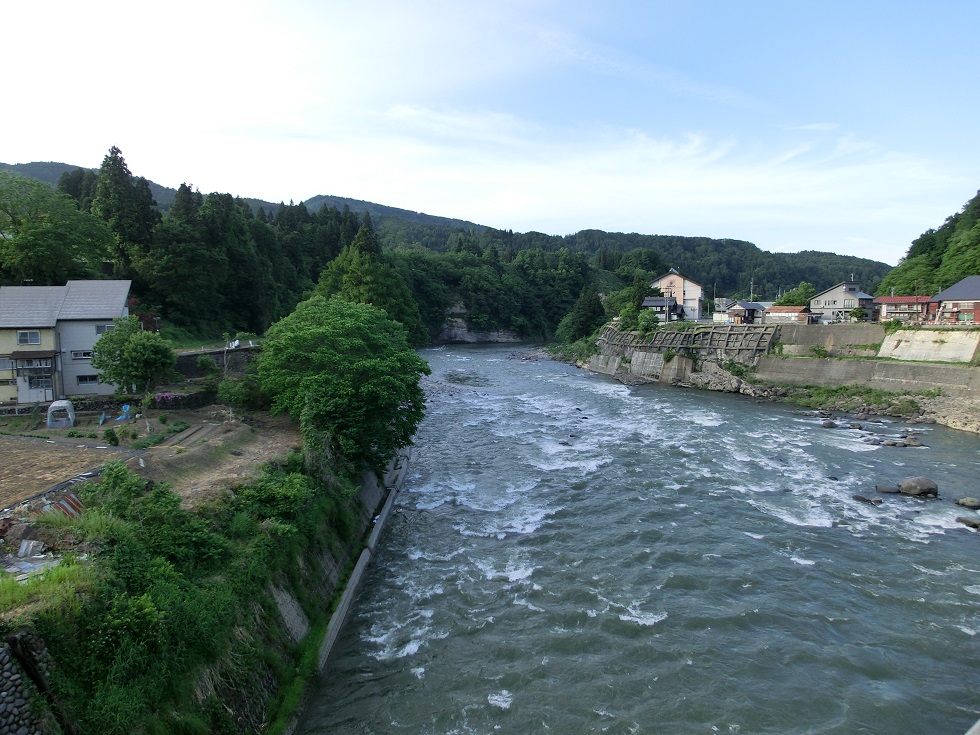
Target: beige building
[688,294]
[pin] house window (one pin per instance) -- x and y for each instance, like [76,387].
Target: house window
[103,328]
[34,362]
[88,379]
[81,354]
[849,303]
[39,381]
[6,363]
[29,337]
[964,305]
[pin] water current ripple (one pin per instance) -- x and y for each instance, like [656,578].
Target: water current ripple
[571,555]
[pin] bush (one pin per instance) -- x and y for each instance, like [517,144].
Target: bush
[242,393]
[110,436]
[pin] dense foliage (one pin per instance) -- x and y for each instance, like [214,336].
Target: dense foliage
[211,264]
[939,258]
[799,296]
[130,357]
[347,373]
[44,238]
[169,593]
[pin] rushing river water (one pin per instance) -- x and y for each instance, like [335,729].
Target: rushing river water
[570,555]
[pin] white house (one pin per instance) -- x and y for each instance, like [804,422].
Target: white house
[836,304]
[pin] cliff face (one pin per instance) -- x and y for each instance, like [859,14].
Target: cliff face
[455,331]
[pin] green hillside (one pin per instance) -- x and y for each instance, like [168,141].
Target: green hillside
[207,264]
[939,258]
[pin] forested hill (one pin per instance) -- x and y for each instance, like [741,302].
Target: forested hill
[939,258]
[215,263]
[51,172]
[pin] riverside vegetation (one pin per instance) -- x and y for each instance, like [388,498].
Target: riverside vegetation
[160,619]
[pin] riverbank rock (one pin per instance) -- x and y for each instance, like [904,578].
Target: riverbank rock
[920,487]
[972,503]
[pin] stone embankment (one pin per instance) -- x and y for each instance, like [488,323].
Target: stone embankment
[760,363]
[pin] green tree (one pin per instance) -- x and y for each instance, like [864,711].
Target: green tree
[127,206]
[348,374]
[799,296]
[361,275]
[586,315]
[129,357]
[44,238]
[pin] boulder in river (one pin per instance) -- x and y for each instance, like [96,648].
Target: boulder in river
[869,501]
[972,503]
[973,522]
[887,489]
[920,487]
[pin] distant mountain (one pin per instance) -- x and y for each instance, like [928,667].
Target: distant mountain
[380,211]
[51,172]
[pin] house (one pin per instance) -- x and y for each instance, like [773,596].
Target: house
[745,312]
[722,305]
[47,334]
[688,293]
[666,309]
[787,315]
[958,304]
[836,304]
[911,309]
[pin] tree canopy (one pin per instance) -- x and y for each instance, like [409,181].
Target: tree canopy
[799,296]
[44,238]
[939,258]
[348,374]
[128,356]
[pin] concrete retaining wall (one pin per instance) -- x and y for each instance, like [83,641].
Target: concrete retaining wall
[371,493]
[931,345]
[954,380]
[839,340]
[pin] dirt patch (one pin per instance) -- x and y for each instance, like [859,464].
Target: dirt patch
[216,451]
[33,465]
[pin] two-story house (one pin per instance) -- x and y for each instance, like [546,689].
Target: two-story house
[958,304]
[47,334]
[687,293]
[836,304]
[910,309]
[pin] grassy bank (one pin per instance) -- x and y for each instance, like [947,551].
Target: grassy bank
[160,620]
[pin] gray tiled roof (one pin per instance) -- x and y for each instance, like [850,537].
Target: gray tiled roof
[44,306]
[966,290]
[30,306]
[94,299]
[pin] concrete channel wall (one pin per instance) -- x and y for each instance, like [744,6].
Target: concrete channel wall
[372,496]
[954,380]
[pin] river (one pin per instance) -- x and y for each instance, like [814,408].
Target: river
[571,555]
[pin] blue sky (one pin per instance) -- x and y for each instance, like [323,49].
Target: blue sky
[848,127]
